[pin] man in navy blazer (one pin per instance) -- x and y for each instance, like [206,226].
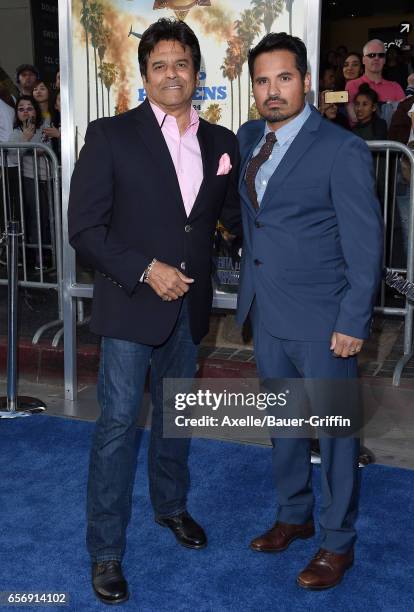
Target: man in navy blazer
[146,194]
[310,271]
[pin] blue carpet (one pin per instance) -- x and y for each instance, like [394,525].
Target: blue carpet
[44,466]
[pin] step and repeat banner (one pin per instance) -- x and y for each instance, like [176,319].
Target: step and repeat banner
[100,72]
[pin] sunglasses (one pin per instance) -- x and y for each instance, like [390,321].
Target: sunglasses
[372,55]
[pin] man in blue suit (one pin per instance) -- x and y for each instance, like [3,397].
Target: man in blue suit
[310,272]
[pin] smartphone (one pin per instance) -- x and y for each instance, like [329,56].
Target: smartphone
[336,97]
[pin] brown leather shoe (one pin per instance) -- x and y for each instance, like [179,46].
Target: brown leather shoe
[281,535]
[326,569]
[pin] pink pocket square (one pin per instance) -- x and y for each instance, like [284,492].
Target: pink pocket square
[224,164]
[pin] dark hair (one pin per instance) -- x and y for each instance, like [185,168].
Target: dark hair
[38,120]
[55,115]
[168,29]
[28,68]
[50,100]
[280,41]
[323,68]
[358,55]
[365,90]
[392,49]
[340,81]
[6,97]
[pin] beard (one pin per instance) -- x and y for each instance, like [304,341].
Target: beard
[276,115]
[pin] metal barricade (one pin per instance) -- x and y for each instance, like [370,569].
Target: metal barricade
[388,178]
[222,299]
[40,254]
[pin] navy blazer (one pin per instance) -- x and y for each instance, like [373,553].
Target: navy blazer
[126,208]
[312,253]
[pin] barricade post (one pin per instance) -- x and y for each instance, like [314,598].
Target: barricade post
[13,192]
[12,405]
[387,147]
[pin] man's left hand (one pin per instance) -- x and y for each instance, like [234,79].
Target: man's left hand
[345,346]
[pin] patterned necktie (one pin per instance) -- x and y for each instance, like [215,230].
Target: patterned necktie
[254,165]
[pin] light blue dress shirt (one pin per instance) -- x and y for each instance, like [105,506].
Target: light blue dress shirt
[285,136]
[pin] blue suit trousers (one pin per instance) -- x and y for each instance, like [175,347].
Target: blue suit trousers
[292,468]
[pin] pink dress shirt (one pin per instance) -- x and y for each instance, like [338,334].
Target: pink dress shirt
[185,153]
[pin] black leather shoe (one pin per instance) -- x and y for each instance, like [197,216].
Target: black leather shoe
[185,529]
[109,583]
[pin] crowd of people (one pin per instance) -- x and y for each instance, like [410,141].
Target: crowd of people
[379,84]
[32,116]
[380,91]
[44,100]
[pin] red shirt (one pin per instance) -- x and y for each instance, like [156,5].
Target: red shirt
[388,91]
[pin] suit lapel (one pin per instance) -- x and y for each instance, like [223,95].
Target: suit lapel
[256,138]
[249,155]
[150,134]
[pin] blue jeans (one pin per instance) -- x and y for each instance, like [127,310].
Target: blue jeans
[123,370]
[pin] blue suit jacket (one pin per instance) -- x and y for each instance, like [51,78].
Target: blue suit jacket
[312,254]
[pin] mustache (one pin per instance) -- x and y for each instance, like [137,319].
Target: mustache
[275,99]
[173,81]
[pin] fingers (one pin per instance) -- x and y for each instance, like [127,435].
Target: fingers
[166,292]
[168,282]
[345,346]
[183,277]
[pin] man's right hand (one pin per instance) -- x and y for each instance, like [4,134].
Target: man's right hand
[168,282]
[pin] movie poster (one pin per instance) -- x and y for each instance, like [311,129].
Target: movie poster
[106,35]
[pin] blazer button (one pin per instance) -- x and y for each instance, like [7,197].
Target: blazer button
[258,224]
[182,265]
[257,262]
[187,228]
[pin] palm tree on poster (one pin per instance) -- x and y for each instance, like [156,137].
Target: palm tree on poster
[212,114]
[104,36]
[289,7]
[84,19]
[253,112]
[247,28]
[229,72]
[234,59]
[96,25]
[267,11]
[108,73]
